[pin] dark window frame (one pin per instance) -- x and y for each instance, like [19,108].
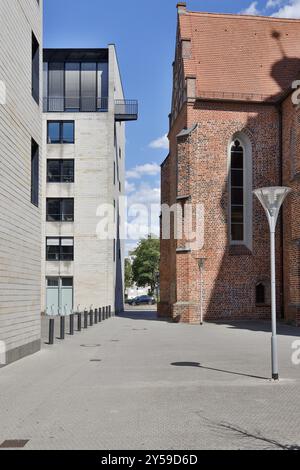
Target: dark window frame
[35,173]
[61,161]
[237,207]
[35,68]
[60,249]
[61,132]
[61,212]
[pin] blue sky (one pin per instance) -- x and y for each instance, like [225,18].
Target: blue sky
[144,34]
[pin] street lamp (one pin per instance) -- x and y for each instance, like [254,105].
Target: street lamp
[272,199]
[201,264]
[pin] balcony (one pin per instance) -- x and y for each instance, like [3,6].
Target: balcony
[76,104]
[126,110]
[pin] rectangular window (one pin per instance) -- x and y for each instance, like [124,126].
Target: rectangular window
[34,173]
[56,87]
[60,210]
[60,249]
[72,86]
[102,86]
[61,132]
[88,86]
[60,171]
[35,69]
[76,86]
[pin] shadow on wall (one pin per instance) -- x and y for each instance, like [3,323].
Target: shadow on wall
[119,289]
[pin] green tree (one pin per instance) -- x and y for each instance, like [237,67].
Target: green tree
[145,266]
[128,274]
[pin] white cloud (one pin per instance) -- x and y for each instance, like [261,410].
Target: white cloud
[160,143]
[149,169]
[145,194]
[251,10]
[273,3]
[290,10]
[143,213]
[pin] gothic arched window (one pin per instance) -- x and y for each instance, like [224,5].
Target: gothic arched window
[237,192]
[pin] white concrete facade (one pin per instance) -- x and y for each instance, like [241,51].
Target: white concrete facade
[20,219]
[98,152]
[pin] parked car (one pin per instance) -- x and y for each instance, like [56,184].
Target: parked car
[142,300]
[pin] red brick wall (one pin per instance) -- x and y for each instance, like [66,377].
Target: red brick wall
[291,210]
[231,274]
[168,280]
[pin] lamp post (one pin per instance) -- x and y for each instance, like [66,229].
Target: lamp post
[272,199]
[201,263]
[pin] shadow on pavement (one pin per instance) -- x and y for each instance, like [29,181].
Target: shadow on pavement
[197,364]
[243,433]
[263,326]
[140,314]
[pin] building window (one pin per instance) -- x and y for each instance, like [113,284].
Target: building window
[260,293]
[60,171]
[35,69]
[240,191]
[60,249]
[34,173]
[237,192]
[60,210]
[61,132]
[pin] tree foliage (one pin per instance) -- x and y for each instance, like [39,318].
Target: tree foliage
[128,274]
[145,266]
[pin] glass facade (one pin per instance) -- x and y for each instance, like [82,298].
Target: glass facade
[75,86]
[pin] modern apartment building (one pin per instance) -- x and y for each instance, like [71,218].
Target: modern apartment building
[83,170]
[20,143]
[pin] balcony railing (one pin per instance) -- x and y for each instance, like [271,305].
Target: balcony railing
[126,110]
[75,104]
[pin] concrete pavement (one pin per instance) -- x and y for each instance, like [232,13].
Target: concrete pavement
[137,383]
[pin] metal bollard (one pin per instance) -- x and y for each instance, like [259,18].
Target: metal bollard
[100,314]
[96,317]
[106,313]
[62,327]
[91,317]
[72,324]
[51,331]
[109,311]
[86,315]
[78,321]
[103,313]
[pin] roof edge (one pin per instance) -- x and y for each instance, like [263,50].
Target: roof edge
[244,17]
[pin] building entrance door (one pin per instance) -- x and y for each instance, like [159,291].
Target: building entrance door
[59,296]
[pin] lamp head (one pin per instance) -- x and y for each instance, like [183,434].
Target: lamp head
[272,199]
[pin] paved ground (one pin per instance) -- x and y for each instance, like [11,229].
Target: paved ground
[138,383]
